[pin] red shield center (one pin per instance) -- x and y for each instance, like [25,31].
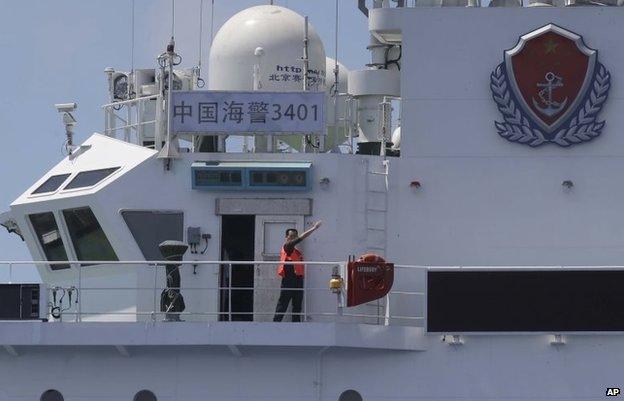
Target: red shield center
[549,71]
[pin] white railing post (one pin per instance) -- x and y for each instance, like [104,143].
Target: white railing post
[139,122]
[339,295]
[128,127]
[10,273]
[79,295]
[387,311]
[229,292]
[305,294]
[106,121]
[155,305]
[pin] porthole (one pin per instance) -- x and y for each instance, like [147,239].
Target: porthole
[52,395]
[350,395]
[144,395]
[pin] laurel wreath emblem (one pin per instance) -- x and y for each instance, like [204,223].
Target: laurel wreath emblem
[516,127]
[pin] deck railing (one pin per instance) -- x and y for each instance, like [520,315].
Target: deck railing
[101,295]
[137,119]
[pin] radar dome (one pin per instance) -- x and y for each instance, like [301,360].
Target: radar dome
[270,37]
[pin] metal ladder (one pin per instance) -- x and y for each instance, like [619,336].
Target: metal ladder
[376,213]
[376,218]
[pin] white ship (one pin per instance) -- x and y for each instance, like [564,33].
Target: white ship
[496,204]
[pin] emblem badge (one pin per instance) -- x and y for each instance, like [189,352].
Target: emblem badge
[550,88]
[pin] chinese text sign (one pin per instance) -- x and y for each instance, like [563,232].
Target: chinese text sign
[209,112]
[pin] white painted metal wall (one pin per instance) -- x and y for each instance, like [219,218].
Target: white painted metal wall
[484,200]
[485,367]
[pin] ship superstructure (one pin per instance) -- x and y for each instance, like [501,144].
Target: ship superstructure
[496,199]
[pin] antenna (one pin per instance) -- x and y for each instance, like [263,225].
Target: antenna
[172,19]
[336,71]
[306,63]
[199,81]
[211,22]
[167,61]
[132,41]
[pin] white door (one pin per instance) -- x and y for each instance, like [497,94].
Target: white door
[269,238]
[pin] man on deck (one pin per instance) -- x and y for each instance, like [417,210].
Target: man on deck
[292,274]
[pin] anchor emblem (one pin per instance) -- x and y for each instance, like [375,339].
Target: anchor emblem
[548,96]
[552,107]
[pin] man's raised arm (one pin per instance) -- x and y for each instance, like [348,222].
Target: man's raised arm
[307,233]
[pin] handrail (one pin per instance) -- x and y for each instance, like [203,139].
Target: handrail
[211,298]
[206,298]
[137,99]
[155,262]
[136,122]
[311,263]
[319,302]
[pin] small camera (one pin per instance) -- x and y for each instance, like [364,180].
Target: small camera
[66,107]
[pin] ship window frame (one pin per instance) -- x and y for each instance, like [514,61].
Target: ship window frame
[350,393]
[45,396]
[114,170]
[141,245]
[276,186]
[40,245]
[72,239]
[37,192]
[248,170]
[145,393]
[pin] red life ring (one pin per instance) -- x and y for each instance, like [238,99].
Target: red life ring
[371,258]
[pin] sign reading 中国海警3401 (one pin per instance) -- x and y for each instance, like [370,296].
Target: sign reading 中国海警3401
[210,112]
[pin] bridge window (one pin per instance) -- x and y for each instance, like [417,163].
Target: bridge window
[49,237]
[151,227]
[51,184]
[87,236]
[145,395]
[350,395]
[52,395]
[90,178]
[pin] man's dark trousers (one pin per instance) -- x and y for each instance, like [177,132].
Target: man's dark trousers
[291,280]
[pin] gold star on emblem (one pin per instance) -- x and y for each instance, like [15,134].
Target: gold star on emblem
[551,46]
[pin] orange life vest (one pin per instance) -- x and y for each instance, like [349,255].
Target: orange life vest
[295,256]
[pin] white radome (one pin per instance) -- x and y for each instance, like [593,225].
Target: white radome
[272,37]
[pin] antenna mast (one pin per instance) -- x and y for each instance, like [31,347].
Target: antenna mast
[172,19]
[132,41]
[199,82]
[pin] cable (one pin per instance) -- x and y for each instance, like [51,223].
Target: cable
[200,82]
[211,23]
[172,18]
[201,30]
[336,53]
[132,40]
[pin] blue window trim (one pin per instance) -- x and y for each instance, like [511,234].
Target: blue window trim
[246,179]
[230,187]
[253,187]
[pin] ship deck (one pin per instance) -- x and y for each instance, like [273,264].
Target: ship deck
[18,334]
